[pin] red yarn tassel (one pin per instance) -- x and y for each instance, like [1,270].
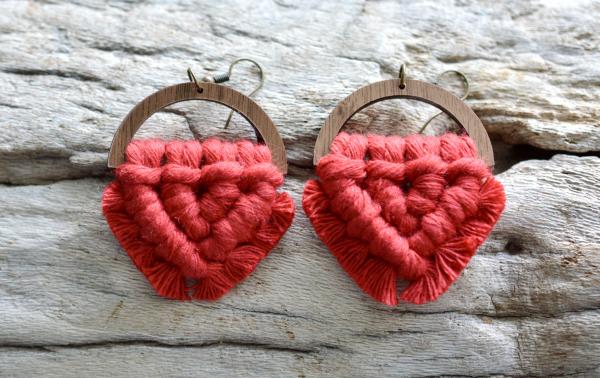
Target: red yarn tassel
[414,208]
[197,218]
[374,276]
[242,261]
[448,262]
[166,279]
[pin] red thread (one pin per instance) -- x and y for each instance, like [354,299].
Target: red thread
[413,208]
[197,217]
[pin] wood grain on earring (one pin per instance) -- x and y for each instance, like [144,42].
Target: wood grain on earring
[415,90]
[221,94]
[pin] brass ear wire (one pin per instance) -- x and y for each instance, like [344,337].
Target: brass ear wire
[223,77]
[402,76]
[413,90]
[465,81]
[206,91]
[193,79]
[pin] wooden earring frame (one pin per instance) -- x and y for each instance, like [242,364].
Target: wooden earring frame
[410,89]
[221,94]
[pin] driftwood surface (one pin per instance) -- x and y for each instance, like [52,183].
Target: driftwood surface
[73,304]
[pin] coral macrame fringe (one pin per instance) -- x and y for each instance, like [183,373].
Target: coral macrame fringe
[197,218]
[373,275]
[414,208]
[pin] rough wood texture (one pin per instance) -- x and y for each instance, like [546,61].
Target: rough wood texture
[71,302]
[528,304]
[70,72]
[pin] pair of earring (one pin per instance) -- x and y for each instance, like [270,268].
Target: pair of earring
[197,217]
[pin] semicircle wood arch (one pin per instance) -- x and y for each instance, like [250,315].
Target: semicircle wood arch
[221,94]
[415,90]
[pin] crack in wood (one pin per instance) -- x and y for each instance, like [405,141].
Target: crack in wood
[85,77]
[51,348]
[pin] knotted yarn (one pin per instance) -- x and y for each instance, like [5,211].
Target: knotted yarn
[412,209]
[197,217]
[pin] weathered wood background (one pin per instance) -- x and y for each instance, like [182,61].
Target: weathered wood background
[72,303]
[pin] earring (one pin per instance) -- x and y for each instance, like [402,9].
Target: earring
[413,208]
[196,217]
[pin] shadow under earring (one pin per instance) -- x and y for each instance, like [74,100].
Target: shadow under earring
[410,208]
[196,217]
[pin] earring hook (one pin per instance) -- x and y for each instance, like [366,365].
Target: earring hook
[193,79]
[261,77]
[402,76]
[465,81]
[223,77]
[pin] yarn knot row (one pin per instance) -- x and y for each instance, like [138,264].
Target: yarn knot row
[197,217]
[413,208]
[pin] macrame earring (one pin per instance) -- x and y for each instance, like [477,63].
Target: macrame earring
[413,208]
[196,217]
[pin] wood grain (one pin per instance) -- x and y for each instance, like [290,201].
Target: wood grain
[411,89]
[71,302]
[221,94]
[66,82]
